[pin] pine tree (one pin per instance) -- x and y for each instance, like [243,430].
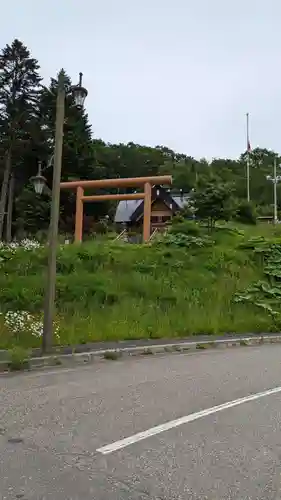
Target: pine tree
[78,159]
[77,142]
[19,92]
[78,154]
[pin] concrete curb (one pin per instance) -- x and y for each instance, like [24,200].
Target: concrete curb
[67,360]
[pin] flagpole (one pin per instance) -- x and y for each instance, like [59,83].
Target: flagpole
[248,159]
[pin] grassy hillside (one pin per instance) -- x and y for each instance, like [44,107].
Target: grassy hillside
[189,284]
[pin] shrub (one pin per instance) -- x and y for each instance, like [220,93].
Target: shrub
[18,358]
[189,228]
[213,201]
[246,213]
[185,240]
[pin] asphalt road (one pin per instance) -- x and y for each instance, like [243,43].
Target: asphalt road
[55,428]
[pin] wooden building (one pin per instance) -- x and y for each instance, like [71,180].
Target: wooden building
[164,205]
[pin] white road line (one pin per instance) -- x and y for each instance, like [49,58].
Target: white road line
[118,445]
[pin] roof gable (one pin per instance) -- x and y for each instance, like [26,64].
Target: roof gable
[126,209]
[157,193]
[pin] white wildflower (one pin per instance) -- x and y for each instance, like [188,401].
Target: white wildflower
[26,244]
[20,322]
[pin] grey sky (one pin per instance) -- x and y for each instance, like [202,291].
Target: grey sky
[181,73]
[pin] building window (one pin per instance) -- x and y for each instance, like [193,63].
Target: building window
[156,219]
[160,219]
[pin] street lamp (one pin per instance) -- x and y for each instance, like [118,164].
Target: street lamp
[38,180]
[275,179]
[79,94]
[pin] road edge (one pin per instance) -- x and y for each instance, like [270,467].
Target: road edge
[73,359]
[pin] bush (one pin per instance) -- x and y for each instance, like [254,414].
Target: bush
[264,210]
[185,240]
[18,358]
[189,228]
[246,213]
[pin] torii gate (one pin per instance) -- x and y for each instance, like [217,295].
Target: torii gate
[146,182]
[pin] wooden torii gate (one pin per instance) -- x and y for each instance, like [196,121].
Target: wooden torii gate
[145,182]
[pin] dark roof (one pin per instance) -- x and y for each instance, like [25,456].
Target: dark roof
[128,208]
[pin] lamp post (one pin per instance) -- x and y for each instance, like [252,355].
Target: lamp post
[38,181]
[79,93]
[275,179]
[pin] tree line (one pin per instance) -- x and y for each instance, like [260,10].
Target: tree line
[27,122]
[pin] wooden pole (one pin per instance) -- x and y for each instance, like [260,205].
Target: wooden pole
[147,212]
[79,215]
[4,191]
[9,220]
[49,309]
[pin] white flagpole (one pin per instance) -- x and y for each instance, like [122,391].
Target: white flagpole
[248,159]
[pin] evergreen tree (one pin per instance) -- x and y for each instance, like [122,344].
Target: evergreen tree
[78,155]
[19,92]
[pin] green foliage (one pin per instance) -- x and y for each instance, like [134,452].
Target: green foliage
[186,227]
[19,92]
[187,211]
[18,358]
[213,202]
[107,291]
[185,240]
[19,97]
[265,295]
[265,210]
[32,212]
[246,213]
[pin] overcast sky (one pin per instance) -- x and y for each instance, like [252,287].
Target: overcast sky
[182,73]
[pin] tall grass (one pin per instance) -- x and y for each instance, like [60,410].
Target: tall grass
[111,291]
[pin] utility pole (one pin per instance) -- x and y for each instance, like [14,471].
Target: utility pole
[9,219]
[275,179]
[4,190]
[248,158]
[275,192]
[49,306]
